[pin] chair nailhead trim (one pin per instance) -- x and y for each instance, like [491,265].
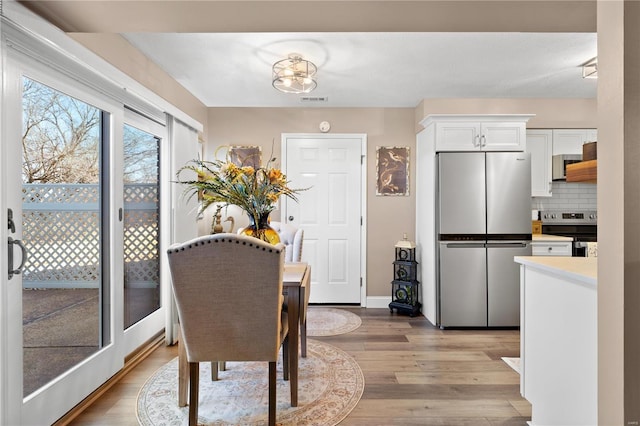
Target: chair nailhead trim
[208,241]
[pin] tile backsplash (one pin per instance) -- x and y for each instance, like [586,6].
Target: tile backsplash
[568,196]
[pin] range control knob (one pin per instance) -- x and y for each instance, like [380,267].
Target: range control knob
[592,216]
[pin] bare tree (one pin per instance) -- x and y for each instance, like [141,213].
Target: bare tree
[61,137]
[140,156]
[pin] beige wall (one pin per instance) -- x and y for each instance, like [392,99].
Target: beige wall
[618,206]
[549,113]
[388,217]
[319,15]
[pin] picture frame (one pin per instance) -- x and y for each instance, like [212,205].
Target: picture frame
[243,156]
[392,170]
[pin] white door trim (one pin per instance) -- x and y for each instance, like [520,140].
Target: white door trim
[363,192]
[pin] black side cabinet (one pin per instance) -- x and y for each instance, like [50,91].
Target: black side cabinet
[405,286]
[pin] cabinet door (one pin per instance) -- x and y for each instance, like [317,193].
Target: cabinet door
[551,248]
[503,136]
[539,145]
[568,141]
[458,136]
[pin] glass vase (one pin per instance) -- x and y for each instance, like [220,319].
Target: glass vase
[261,230]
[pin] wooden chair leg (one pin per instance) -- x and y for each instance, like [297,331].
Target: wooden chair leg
[272,393]
[194,382]
[303,338]
[222,365]
[183,372]
[285,358]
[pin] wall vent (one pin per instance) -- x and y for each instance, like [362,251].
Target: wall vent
[314,99]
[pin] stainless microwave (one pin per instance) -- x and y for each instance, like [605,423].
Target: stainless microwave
[559,165]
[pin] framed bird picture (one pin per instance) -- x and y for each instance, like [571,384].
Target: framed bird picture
[392,170]
[246,156]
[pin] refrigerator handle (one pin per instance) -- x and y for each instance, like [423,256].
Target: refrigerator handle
[465,245]
[506,245]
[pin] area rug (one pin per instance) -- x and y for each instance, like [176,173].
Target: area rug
[330,385]
[513,363]
[323,321]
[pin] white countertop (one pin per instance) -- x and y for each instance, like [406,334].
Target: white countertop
[583,269]
[546,237]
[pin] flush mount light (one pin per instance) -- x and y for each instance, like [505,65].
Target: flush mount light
[590,68]
[294,75]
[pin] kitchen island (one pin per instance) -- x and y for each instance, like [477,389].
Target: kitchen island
[558,339]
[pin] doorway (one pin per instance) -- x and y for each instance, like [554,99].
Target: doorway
[331,211]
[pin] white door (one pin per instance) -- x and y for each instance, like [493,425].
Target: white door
[330,211]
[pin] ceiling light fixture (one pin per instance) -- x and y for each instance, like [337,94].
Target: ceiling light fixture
[294,74]
[590,68]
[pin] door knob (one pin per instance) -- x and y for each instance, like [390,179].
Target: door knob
[290,218]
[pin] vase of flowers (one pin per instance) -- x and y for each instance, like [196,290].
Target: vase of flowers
[256,191]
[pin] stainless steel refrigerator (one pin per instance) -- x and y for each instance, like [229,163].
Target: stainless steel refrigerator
[483,221]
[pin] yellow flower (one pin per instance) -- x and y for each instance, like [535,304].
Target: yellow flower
[275,176]
[255,190]
[229,169]
[248,170]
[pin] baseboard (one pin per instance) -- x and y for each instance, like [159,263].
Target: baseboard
[378,301]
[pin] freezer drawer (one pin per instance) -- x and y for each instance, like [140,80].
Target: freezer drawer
[503,283]
[463,285]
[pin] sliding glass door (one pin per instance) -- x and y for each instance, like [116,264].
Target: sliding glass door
[83,193]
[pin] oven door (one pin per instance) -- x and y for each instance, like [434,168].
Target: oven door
[581,234]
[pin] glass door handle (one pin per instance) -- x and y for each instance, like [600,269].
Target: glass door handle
[18,243]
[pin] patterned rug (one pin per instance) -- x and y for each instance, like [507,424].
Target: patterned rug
[330,385]
[323,321]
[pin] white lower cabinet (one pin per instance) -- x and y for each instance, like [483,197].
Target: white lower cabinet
[548,248]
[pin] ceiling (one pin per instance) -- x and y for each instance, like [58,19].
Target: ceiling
[369,53]
[375,69]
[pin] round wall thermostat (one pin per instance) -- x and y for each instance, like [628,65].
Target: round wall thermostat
[325,126]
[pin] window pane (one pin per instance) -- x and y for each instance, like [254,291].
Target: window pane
[141,225]
[62,229]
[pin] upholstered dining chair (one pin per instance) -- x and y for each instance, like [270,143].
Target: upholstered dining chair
[292,237]
[228,292]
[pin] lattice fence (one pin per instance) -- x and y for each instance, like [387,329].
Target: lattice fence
[61,231]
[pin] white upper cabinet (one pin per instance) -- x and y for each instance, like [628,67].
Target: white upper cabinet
[539,145]
[570,141]
[479,132]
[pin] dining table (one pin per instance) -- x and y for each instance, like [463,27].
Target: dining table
[296,287]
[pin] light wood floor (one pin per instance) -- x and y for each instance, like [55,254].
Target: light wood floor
[415,374]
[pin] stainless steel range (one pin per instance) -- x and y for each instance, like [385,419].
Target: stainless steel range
[581,225]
